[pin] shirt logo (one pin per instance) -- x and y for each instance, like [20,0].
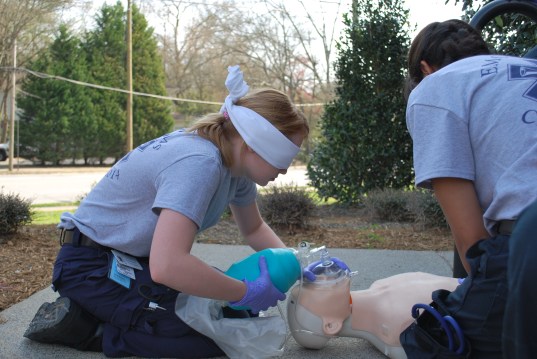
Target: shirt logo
[155,144]
[527,73]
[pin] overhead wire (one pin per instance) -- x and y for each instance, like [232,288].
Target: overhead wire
[101,87]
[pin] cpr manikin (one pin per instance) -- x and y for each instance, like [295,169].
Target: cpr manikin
[325,307]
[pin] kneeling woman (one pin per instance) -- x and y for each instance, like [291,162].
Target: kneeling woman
[126,250]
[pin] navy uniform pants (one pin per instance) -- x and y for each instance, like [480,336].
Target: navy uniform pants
[478,306]
[496,306]
[520,321]
[130,327]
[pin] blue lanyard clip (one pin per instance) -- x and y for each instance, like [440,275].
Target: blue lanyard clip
[444,321]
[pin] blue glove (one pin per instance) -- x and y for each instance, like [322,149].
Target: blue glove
[309,275]
[260,293]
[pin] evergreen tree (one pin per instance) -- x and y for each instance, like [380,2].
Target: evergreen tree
[64,120]
[106,49]
[151,116]
[364,142]
[106,52]
[54,112]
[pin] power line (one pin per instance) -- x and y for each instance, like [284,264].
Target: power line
[87,84]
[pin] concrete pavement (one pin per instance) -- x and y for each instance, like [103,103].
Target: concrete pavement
[371,265]
[66,185]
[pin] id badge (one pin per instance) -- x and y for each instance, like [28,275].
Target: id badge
[116,276]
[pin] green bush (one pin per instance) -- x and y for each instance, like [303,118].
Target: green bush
[426,209]
[15,212]
[364,142]
[388,205]
[286,206]
[420,207]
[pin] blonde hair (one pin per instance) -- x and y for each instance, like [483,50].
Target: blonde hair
[273,105]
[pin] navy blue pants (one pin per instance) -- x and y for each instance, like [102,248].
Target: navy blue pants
[81,273]
[478,305]
[520,333]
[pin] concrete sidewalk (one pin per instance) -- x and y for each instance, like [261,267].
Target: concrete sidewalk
[370,264]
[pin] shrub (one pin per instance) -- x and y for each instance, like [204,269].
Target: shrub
[15,212]
[388,205]
[426,209]
[420,207]
[286,206]
[364,142]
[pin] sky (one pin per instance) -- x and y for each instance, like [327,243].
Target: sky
[422,12]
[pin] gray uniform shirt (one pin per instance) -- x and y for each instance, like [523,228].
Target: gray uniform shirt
[476,119]
[179,171]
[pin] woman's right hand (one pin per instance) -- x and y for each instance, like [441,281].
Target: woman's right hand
[260,293]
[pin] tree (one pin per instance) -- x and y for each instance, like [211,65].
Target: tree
[57,115]
[510,33]
[195,62]
[151,116]
[29,23]
[319,68]
[67,120]
[106,50]
[273,47]
[364,143]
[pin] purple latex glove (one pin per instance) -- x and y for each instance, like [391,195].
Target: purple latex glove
[260,293]
[309,275]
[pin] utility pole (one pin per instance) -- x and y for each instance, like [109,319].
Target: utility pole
[12,120]
[129,77]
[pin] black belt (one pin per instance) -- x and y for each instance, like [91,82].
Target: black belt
[505,227]
[70,236]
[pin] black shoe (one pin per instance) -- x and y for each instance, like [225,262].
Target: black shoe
[65,322]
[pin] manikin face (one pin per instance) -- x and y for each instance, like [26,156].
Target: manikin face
[259,170]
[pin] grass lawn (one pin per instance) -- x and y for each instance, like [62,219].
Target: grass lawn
[50,213]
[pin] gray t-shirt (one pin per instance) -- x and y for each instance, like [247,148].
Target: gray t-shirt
[179,171]
[476,119]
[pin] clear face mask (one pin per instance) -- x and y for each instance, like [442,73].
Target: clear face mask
[318,308]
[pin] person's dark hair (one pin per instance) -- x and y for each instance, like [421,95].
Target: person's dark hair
[440,44]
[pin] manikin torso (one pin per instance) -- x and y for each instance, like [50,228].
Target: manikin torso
[384,308]
[319,311]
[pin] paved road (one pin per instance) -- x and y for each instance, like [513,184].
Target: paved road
[66,185]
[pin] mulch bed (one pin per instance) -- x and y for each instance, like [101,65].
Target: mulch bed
[27,257]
